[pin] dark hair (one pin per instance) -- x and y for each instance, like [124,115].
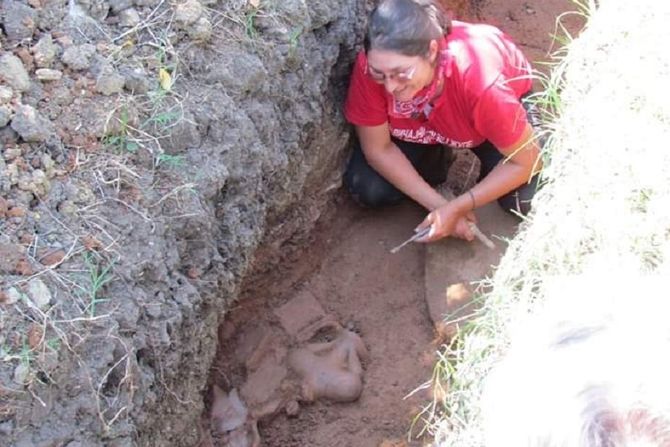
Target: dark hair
[406,26]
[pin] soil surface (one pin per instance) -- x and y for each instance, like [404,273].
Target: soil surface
[355,280]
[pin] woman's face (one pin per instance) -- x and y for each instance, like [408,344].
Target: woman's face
[403,76]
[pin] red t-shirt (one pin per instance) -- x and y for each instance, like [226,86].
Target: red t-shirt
[480,100]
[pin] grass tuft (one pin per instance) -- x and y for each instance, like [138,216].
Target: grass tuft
[603,206]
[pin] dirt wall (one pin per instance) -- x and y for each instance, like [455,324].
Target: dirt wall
[149,150]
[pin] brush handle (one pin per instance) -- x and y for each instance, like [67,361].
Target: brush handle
[446,192]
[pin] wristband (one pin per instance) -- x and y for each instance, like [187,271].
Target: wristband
[472,199]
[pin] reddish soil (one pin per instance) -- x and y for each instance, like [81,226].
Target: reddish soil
[358,282]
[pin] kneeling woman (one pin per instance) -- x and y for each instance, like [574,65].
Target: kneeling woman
[425,85]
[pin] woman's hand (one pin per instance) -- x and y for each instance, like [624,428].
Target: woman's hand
[445,221]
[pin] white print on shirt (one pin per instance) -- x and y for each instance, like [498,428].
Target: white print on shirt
[428,136]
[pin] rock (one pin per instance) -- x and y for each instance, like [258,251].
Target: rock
[5,115]
[118,6]
[188,12]
[12,153]
[44,52]
[12,174]
[292,408]
[300,313]
[246,75]
[16,211]
[7,138]
[7,427]
[137,80]
[39,293]
[453,265]
[67,208]
[5,94]
[85,13]
[109,82]
[30,125]
[35,182]
[40,184]
[14,73]
[129,18]
[183,136]
[78,57]
[48,164]
[18,20]
[331,370]
[201,30]
[4,207]
[52,257]
[13,295]
[52,13]
[22,373]
[48,74]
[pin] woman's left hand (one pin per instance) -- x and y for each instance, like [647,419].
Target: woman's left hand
[445,221]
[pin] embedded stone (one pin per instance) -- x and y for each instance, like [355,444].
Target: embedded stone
[39,293]
[78,57]
[188,12]
[47,74]
[30,125]
[14,73]
[129,18]
[44,52]
[18,20]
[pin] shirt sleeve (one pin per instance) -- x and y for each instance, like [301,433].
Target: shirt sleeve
[366,101]
[499,116]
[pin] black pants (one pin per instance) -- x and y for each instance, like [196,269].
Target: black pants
[432,161]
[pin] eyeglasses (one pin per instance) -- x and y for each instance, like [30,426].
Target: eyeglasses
[399,76]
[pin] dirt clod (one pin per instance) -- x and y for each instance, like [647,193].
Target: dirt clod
[35,335]
[50,257]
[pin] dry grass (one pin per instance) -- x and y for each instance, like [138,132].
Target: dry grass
[604,208]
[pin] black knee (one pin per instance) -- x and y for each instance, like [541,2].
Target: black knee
[371,192]
[512,203]
[519,200]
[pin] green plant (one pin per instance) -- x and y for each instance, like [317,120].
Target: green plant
[98,277]
[120,140]
[294,36]
[250,22]
[171,161]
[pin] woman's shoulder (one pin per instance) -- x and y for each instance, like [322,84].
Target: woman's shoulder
[481,53]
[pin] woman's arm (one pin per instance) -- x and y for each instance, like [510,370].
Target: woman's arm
[522,160]
[389,161]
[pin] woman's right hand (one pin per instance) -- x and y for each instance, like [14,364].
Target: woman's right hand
[445,221]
